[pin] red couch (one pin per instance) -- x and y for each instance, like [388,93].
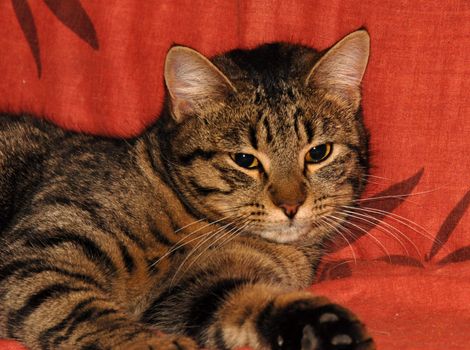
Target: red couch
[97,66]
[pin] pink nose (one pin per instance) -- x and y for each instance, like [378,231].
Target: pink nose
[290,209]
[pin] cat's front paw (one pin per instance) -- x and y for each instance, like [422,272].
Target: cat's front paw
[313,324]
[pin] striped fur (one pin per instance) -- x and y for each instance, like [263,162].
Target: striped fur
[103,241]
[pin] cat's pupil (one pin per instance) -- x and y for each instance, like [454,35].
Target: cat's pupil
[245,160]
[319,153]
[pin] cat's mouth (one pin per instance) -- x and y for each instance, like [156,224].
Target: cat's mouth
[285,233]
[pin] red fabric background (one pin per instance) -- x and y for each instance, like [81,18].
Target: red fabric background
[101,72]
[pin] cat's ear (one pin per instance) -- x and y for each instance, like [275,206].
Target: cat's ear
[193,81]
[341,68]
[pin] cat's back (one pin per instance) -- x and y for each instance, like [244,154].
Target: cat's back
[23,142]
[37,156]
[21,135]
[26,141]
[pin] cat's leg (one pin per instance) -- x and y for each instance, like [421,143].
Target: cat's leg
[262,317]
[250,294]
[63,299]
[58,313]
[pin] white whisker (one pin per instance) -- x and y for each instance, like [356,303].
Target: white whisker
[232,233]
[179,245]
[190,224]
[397,196]
[377,223]
[378,177]
[200,244]
[400,219]
[367,233]
[336,229]
[373,183]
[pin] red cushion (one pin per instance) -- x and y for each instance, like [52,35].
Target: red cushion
[101,72]
[408,308]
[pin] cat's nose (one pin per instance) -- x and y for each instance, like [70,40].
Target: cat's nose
[288,196]
[290,209]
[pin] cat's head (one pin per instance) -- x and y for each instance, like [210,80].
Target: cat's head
[271,139]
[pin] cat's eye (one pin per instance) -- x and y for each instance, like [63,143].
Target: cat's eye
[318,153]
[245,160]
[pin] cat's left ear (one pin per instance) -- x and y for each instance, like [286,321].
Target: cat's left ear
[341,68]
[193,82]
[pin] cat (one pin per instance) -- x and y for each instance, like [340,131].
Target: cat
[207,227]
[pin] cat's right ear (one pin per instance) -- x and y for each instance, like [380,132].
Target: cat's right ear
[342,67]
[193,82]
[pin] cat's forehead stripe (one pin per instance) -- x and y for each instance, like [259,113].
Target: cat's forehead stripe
[296,116]
[308,130]
[267,128]
[252,137]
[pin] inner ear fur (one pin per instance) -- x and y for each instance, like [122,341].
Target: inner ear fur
[341,69]
[193,81]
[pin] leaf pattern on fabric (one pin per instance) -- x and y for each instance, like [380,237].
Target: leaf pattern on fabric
[401,260]
[459,255]
[334,270]
[70,12]
[386,202]
[26,21]
[449,225]
[389,199]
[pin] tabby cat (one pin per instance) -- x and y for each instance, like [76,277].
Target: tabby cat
[206,227]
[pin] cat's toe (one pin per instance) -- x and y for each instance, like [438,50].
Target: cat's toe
[338,329]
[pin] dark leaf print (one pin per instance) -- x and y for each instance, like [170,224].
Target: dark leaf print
[72,14]
[334,270]
[449,225]
[384,202]
[389,199]
[26,21]
[401,260]
[459,255]
[69,12]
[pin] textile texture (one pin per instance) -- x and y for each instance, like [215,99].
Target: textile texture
[96,66]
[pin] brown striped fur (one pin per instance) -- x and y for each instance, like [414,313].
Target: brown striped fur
[105,240]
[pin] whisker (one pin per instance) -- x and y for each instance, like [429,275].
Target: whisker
[179,245]
[174,248]
[377,177]
[398,196]
[190,224]
[230,234]
[400,219]
[208,237]
[367,233]
[200,244]
[370,182]
[374,180]
[339,264]
[326,221]
[377,223]
[233,234]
